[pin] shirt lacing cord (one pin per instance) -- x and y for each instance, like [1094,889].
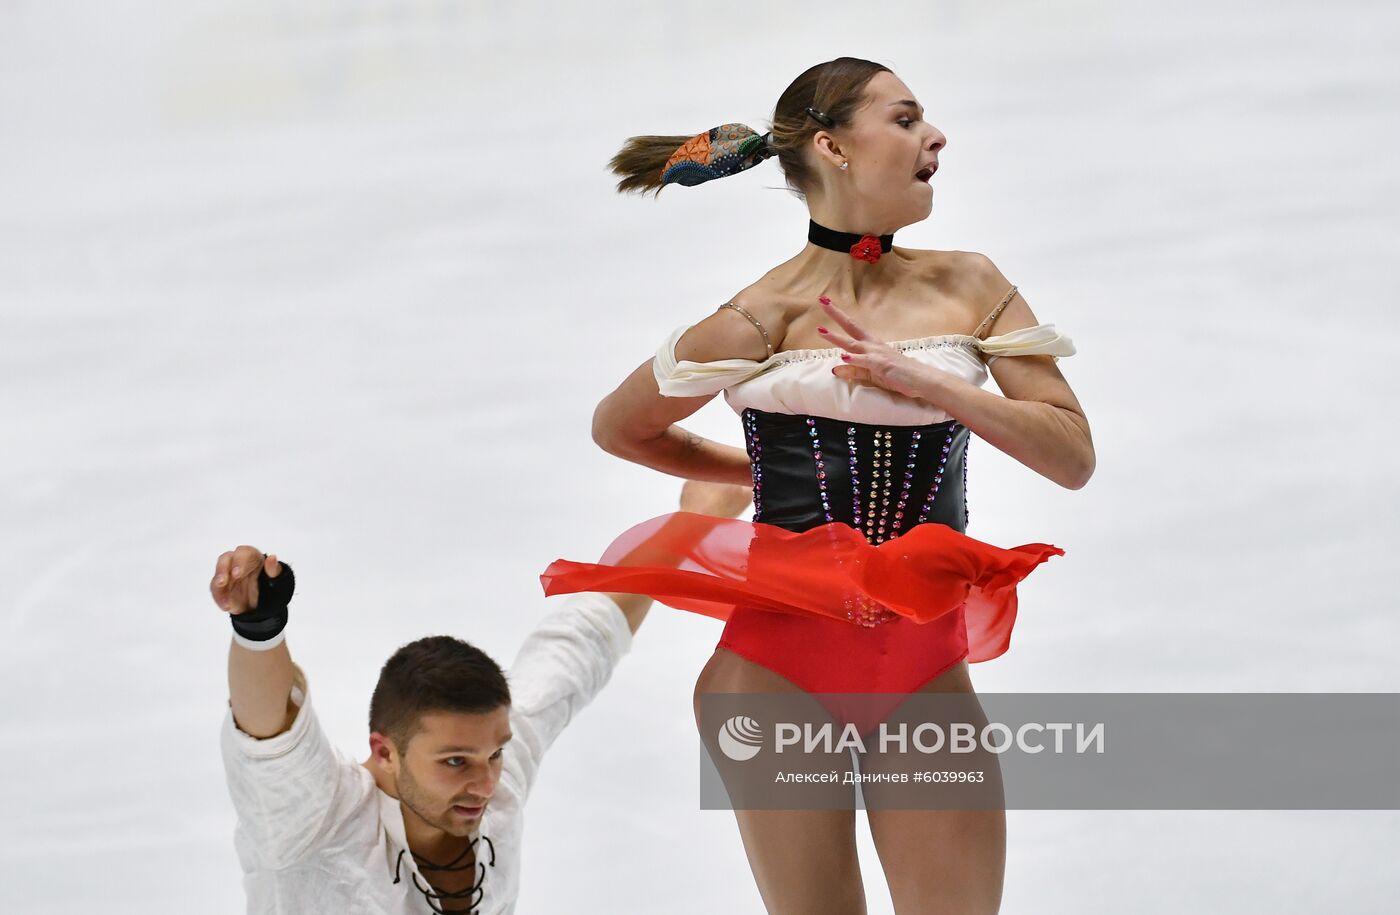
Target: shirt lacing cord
[473,894]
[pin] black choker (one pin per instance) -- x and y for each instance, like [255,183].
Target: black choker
[862,247]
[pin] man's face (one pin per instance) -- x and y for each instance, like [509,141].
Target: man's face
[449,769]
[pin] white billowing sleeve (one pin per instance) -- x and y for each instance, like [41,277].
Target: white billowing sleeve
[1036,340]
[561,666]
[696,379]
[289,790]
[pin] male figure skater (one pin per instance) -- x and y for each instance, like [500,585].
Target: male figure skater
[432,821]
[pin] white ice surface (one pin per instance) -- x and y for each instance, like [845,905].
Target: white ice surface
[346,279]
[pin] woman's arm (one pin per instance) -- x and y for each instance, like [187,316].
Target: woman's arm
[1038,422]
[637,422]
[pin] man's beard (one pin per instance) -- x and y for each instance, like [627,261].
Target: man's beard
[421,804]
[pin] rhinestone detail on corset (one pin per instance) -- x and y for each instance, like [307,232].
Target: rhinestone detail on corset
[755,459]
[860,609]
[908,479]
[870,500]
[821,467]
[938,474]
[806,355]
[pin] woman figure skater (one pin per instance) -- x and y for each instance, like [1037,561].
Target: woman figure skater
[857,370]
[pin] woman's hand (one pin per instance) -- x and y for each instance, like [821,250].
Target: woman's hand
[869,361]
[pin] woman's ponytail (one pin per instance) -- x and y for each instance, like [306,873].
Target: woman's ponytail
[824,97]
[655,161]
[641,160]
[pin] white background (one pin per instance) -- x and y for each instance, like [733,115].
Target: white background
[345,280]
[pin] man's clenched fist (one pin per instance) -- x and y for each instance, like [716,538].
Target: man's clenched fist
[235,582]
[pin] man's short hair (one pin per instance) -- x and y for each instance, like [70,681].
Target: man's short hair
[434,674]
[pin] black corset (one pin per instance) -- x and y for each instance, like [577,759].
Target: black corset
[881,480]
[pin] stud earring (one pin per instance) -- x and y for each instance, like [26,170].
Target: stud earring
[843,165]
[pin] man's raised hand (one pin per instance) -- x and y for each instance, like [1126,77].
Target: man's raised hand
[235,582]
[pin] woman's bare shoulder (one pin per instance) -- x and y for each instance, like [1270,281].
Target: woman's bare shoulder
[753,330]
[950,269]
[758,325]
[967,281]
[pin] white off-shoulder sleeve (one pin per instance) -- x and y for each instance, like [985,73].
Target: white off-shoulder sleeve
[696,379]
[1036,340]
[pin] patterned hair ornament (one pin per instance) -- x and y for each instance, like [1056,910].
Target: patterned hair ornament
[717,153]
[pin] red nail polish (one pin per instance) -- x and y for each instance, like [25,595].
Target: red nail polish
[845,357]
[824,300]
[822,330]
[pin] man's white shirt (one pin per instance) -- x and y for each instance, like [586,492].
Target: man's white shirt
[315,834]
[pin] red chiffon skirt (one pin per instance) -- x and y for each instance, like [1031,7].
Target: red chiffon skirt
[855,617]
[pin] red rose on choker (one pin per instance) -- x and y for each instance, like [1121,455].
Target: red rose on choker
[867,249]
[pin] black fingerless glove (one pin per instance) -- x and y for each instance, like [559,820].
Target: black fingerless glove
[265,622]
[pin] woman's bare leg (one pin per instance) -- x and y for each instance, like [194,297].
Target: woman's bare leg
[940,861]
[804,861]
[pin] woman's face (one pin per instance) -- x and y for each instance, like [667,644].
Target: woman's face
[892,151]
